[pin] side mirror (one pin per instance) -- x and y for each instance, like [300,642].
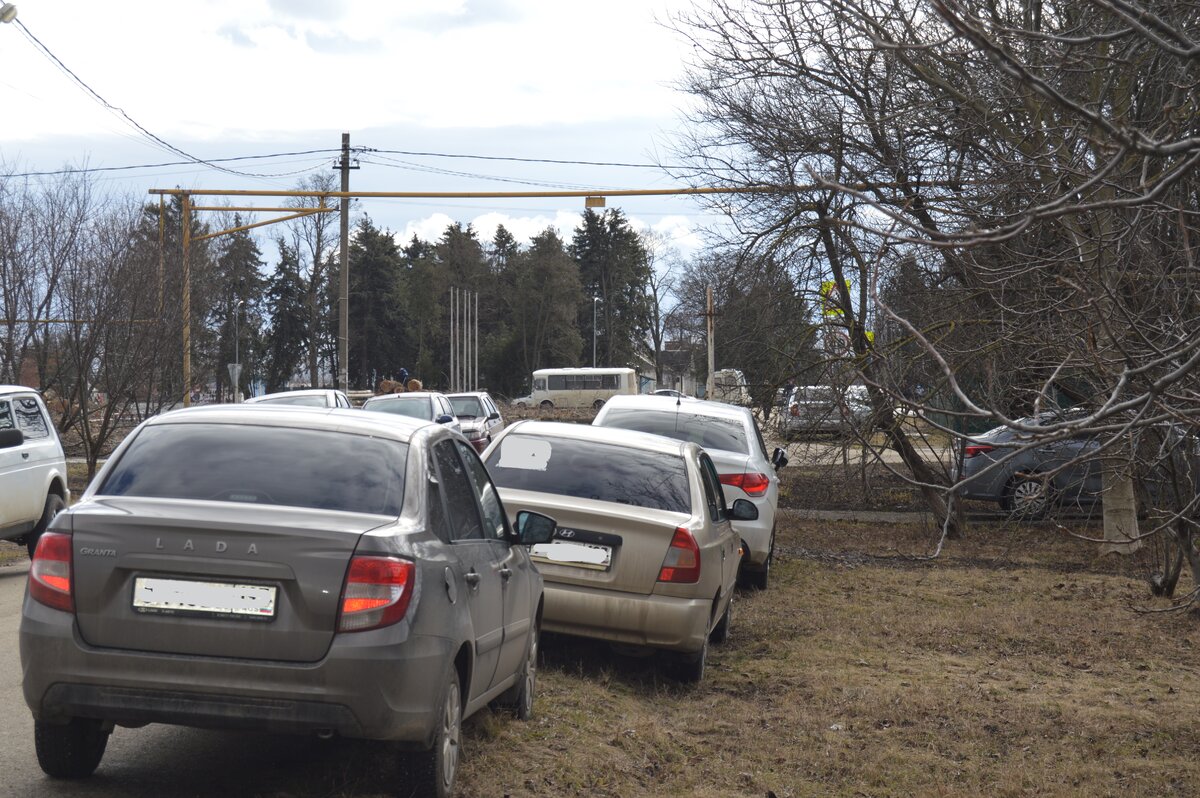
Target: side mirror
[445,418]
[11,437]
[744,510]
[534,528]
[779,458]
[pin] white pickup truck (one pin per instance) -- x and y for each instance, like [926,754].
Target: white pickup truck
[33,469]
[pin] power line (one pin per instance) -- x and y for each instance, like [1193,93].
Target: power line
[524,160]
[396,164]
[114,109]
[208,162]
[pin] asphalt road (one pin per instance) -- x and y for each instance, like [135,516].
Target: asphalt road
[157,761]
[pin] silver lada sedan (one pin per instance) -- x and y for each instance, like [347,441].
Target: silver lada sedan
[644,553]
[297,570]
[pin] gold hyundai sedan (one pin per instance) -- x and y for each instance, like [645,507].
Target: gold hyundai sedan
[644,553]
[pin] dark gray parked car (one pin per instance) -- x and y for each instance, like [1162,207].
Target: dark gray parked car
[312,571]
[1034,478]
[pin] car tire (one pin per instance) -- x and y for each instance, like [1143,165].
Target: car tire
[434,772]
[519,699]
[720,632]
[54,506]
[689,668]
[1026,497]
[546,404]
[72,750]
[596,405]
[755,577]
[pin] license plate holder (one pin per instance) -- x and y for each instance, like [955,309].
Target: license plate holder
[194,598]
[576,554]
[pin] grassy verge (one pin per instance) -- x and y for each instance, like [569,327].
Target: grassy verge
[1009,667]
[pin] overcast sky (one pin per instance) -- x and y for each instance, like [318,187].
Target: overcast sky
[549,79]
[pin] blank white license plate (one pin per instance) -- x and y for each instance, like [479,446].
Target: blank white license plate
[580,555]
[207,599]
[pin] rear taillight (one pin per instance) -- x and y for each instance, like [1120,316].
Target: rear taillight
[752,482]
[377,593]
[50,574]
[682,563]
[974,450]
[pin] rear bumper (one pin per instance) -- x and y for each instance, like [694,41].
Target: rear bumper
[666,622]
[378,685]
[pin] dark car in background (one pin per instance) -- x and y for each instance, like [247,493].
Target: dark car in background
[326,572]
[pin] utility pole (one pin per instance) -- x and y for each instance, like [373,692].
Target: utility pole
[344,277]
[710,387]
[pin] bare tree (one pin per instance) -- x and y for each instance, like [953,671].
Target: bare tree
[1037,158]
[313,240]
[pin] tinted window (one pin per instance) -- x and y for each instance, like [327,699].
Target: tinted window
[485,491]
[458,493]
[466,406]
[30,419]
[6,419]
[416,407]
[710,433]
[712,489]
[263,465]
[590,470]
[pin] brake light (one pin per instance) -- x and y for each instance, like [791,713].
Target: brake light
[752,482]
[682,563]
[974,450]
[51,572]
[377,593]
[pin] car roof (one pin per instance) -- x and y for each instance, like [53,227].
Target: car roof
[698,407]
[476,394]
[278,394]
[611,435]
[18,389]
[404,395]
[334,419]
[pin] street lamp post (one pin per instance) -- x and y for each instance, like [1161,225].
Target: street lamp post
[595,299]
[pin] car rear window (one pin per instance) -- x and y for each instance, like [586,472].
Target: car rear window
[262,465]
[709,432]
[303,401]
[416,407]
[590,470]
[466,406]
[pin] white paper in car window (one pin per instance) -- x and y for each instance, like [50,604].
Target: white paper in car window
[529,454]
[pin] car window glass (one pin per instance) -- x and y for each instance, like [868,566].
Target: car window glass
[263,465]
[709,432]
[6,419]
[413,407]
[591,470]
[299,401]
[466,406]
[712,489]
[437,514]
[489,500]
[762,445]
[457,492]
[29,418]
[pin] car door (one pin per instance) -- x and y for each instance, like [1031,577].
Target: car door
[718,516]
[23,468]
[479,562]
[515,568]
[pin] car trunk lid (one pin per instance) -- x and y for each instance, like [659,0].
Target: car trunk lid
[212,579]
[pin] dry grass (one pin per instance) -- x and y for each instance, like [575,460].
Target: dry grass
[1012,666]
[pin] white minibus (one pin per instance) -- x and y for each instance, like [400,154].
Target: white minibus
[585,387]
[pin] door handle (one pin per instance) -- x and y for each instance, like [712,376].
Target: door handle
[472,579]
[506,573]
[24,455]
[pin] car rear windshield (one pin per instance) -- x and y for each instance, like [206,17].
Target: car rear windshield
[417,407]
[262,465]
[303,401]
[709,432]
[590,470]
[466,406]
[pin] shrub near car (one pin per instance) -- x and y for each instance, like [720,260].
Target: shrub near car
[304,570]
[644,553]
[730,435]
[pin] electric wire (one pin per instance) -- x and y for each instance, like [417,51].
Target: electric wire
[156,140]
[90,169]
[566,162]
[397,164]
